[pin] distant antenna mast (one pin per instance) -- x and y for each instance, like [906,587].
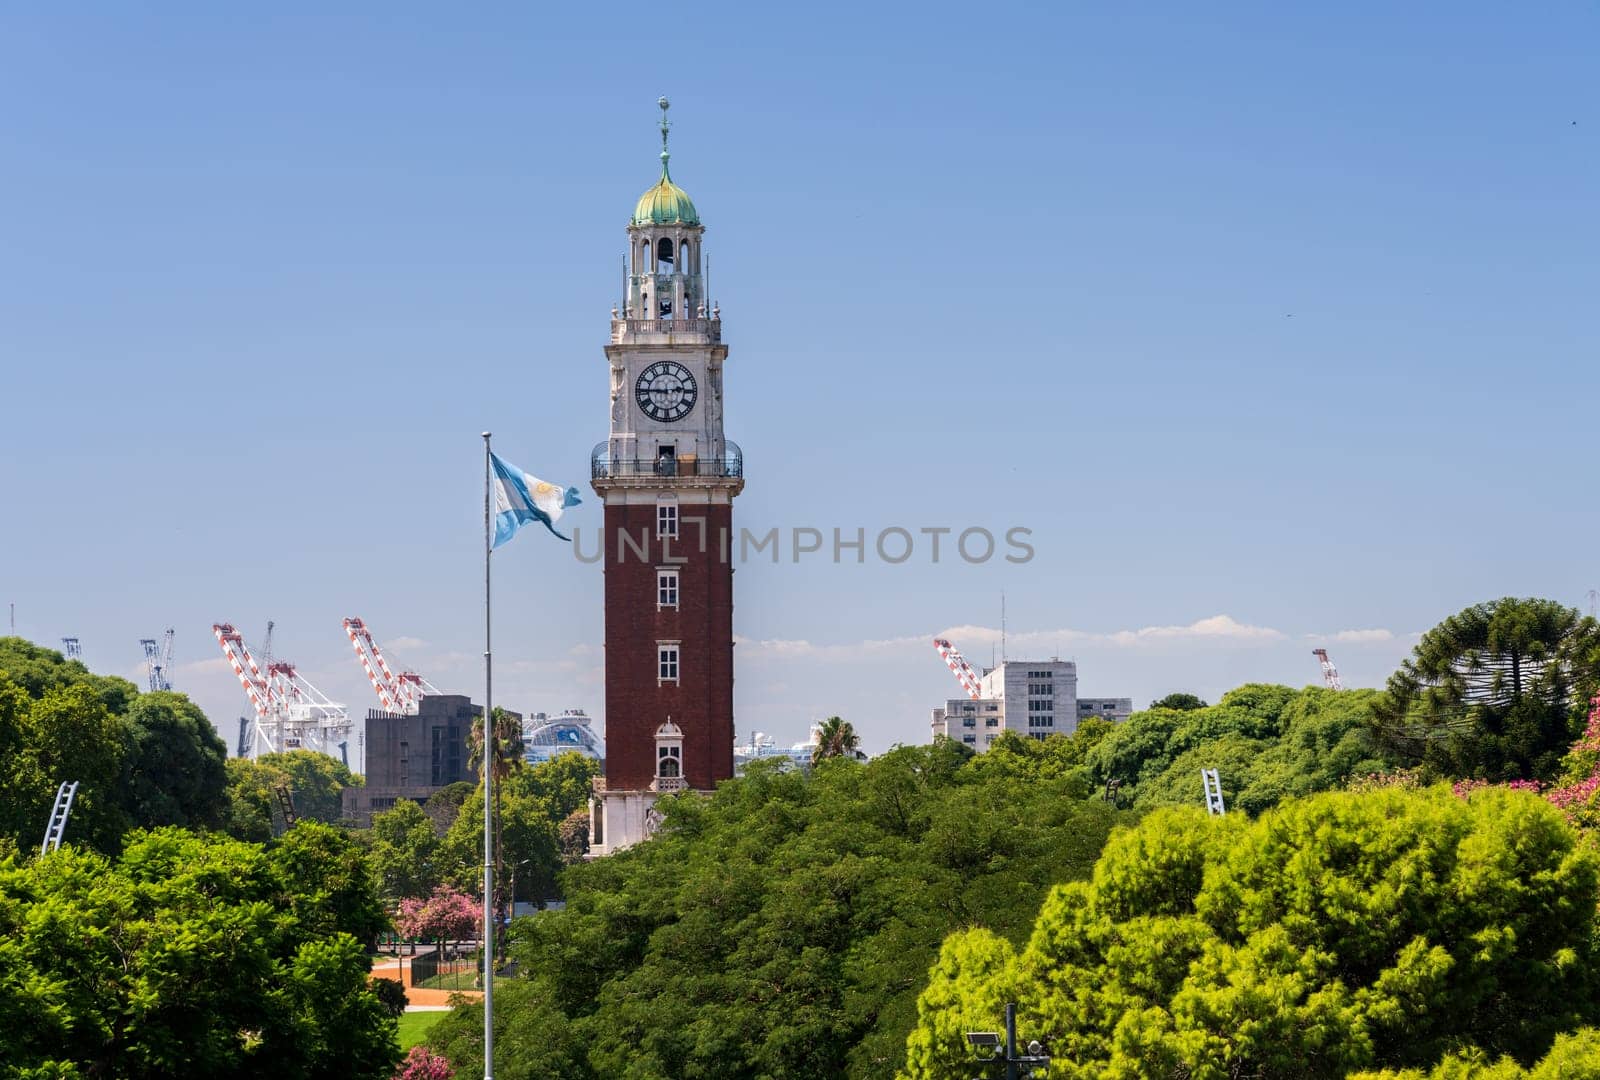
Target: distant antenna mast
[1330,674]
[1002,626]
[1594,597]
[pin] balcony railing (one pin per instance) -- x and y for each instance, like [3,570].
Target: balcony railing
[711,328]
[602,466]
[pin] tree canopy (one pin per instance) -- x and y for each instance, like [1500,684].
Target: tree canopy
[1339,932]
[1495,692]
[140,759]
[1267,743]
[784,925]
[192,955]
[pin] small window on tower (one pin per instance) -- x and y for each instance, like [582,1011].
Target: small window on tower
[667,521]
[666,663]
[669,765]
[666,589]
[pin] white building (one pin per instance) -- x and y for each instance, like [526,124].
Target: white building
[545,736]
[1034,698]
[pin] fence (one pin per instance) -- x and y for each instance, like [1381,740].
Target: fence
[432,971]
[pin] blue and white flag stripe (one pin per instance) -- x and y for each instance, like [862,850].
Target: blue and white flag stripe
[521,497]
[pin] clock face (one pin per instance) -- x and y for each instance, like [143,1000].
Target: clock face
[665,391]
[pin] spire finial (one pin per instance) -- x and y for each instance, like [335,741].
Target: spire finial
[665,124]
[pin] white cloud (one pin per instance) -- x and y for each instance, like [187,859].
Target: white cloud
[1216,627]
[406,643]
[1361,636]
[971,638]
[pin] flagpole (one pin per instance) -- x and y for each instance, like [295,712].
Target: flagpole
[488,758]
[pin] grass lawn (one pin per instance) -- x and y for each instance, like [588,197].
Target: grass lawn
[414,1026]
[458,980]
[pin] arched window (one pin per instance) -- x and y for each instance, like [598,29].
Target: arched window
[664,255]
[668,766]
[643,265]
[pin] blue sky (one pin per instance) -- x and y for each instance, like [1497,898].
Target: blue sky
[1274,323]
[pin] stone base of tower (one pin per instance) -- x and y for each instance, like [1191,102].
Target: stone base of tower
[620,819]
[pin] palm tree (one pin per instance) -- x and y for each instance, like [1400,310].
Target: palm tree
[508,750]
[834,738]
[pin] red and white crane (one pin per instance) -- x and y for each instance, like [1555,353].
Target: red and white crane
[291,713]
[959,667]
[401,693]
[1330,674]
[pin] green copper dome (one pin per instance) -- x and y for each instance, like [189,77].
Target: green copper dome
[666,203]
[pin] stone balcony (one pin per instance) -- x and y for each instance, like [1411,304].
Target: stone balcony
[729,466]
[666,331]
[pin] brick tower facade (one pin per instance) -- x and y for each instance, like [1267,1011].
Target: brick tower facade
[667,478]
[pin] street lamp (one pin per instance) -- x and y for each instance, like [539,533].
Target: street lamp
[989,1047]
[511,907]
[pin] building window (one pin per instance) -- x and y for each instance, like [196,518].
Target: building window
[969,739]
[992,721]
[991,708]
[970,721]
[666,521]
[669,762]
[1040,735]
[1041,721]
[666,589]
[987,739]
[667,663]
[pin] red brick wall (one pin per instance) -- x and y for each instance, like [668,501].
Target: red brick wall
[702,701]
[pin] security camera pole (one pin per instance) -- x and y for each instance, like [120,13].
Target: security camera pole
[1017,1065]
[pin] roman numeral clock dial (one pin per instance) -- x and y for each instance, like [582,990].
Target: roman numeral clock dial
[665,391]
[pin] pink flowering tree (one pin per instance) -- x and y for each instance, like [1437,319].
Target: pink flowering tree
[447,915]
[423,1064]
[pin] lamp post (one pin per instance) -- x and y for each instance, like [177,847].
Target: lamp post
[511,907]
[989,1047]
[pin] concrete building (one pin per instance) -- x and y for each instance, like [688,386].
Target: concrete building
[1034,698]
[412,756]
[667,478]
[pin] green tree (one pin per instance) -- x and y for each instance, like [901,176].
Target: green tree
[1334,933]
[1267,743]
[174,771]
[1496,692]
[316,781]
[783,925]
[1179,702]
[68,734]
[39,670]
[835,738]
[443,805]
[253,812]
[1575,1056]
[181,957]
[405,851]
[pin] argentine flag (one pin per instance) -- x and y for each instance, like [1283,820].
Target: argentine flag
[521,497]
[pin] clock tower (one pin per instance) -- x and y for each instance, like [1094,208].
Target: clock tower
[667,478]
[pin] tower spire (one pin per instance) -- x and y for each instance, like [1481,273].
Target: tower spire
[665,124]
